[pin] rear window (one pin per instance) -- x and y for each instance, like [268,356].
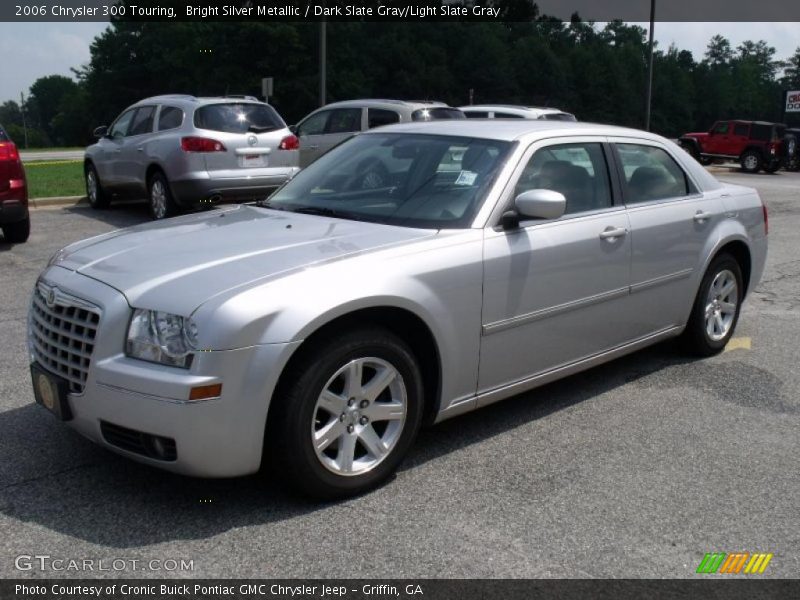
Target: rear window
[237,118]
[170,118]
[475,114]
[559,117]
[502,115]
[437,112]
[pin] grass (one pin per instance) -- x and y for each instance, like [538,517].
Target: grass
[46,180]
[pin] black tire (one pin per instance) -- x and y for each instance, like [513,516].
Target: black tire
[97,196]
[159,197]
[751,161]
[705,160]
[17,233]
[772,167]
[294,414]
[696,338]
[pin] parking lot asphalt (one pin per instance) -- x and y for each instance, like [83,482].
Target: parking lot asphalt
[634,469]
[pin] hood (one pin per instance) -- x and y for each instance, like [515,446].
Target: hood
[177,264]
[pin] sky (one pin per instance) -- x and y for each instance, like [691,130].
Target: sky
[33,50]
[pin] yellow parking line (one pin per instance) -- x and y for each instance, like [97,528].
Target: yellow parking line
[738,343]
[43,163]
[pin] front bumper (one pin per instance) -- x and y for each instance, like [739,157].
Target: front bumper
[218,437]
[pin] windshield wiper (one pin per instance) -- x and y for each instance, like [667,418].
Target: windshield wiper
[261,129]
[322,211]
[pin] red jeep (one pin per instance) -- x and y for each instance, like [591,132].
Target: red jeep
[755,145]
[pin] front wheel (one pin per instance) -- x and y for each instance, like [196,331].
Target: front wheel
[348,412]
[716,307]
[751,161]
[97,196]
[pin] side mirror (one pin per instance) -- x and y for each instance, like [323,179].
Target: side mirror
[101,131]
[540,204]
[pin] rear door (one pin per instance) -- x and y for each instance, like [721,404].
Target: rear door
[671,222]
[740,135]
[311,132]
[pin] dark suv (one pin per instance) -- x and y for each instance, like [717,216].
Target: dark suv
[755,145]
[14,219]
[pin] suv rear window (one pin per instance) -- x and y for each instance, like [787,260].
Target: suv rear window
[237,118]
[437,112]
[560,117]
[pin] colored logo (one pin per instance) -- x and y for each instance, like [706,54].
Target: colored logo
[735,562]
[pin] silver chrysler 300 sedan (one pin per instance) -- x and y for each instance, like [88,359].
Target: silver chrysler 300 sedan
[319,329]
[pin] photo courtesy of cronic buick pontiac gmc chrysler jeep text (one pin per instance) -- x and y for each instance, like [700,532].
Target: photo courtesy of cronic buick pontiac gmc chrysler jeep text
[319,329]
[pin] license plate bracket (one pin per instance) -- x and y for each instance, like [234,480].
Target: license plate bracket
[252,160]
[51,392]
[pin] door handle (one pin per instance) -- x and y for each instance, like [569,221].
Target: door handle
[700,216]
[612,233]
[312,147]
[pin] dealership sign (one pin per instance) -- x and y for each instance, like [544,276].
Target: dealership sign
[793,101]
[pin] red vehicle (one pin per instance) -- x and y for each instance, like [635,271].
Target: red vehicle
[755,145]
[14,218]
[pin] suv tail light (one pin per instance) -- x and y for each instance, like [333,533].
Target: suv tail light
[201,144]
[290,142]
[8,151]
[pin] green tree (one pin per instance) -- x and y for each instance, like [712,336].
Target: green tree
[46,95]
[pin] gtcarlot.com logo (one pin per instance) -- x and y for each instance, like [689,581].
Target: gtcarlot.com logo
[735,562]
[45,562]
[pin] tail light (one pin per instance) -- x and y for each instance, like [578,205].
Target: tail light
[8,151]
[766,218]
[290,142]
[201,144]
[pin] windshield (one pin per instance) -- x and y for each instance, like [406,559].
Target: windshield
[414,180]
[237,118]
[433,114]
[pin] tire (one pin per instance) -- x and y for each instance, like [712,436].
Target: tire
[716,308]
[751,161]
[17,233]
[706,161]
[97,196]
[159,197]
[772,167]
[328,455]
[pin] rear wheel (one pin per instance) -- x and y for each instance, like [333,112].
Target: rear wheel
[716,307]
[97,196]
[347,415]
[17,233]
[161,203]
[751,161]
[773,166]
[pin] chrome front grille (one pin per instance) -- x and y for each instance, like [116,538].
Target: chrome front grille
[63,330]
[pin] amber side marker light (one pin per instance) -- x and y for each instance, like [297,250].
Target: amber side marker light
[204,392]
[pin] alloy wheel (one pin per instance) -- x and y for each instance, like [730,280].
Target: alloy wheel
[158,199]
[721,305]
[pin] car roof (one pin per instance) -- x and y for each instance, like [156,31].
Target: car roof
[196,100]
[513,108]
[512,130]
[382,102]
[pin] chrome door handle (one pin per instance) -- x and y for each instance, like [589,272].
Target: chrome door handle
[612,233]
[701,216]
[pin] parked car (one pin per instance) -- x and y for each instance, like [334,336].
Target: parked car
[511,111]
[320,328]
[792,149]
[755,145]
[15,221]
[330,125]
[185,152]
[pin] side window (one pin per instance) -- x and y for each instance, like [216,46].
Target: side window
[170,117]
[651,173]
[315,124]
[142,121]
[344,120]
[475,114]
[579,171]
[120,127]
[741,129]
[377,117]
[721,128]
[502,115]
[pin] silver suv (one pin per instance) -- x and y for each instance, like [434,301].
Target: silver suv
[186,152]
[512,111]
[330,125]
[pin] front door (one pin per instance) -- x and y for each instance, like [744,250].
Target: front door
[555,291]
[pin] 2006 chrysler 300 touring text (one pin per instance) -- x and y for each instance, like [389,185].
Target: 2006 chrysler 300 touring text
[415,272]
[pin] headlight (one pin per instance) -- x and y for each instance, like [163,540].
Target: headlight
[162,338]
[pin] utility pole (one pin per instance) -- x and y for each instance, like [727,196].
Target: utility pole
[323,60]
[24,124]
[650,67]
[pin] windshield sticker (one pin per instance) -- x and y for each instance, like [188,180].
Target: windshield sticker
[466,178]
